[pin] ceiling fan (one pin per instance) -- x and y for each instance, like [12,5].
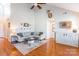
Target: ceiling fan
[38,5]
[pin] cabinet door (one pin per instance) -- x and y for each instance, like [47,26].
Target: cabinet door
[74,40]
[61,37]
[69,38]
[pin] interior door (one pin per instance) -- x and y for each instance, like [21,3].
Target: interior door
[1,29]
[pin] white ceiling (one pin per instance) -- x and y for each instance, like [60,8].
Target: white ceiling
[69,6]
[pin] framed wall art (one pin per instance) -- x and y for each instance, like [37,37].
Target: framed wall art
[65,24]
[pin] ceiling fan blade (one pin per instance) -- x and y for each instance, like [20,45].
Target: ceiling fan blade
[39,7]
[41,3]
[32,7]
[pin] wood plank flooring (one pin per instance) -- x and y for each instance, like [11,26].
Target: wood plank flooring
[64,50]
[51,48]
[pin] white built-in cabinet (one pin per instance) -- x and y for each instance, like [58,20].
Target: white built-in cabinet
[67,38]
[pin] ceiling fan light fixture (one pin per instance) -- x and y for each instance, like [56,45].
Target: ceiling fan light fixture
[35,4]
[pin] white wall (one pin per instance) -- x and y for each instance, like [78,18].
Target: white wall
[4,16]
[70,39]
[70,16]
[41,19]
[21,13]
[5,10]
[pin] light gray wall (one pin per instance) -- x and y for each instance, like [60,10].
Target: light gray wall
[70,16]
[5,10]
[41,19]
[21,13]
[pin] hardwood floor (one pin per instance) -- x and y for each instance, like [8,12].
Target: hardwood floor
[7,49]
[44,50]
[51,48]
[64,50]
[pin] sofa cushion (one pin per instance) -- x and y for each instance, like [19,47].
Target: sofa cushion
[26,34]
[20,34]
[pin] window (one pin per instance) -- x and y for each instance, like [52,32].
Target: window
[1,10]
[4,9]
